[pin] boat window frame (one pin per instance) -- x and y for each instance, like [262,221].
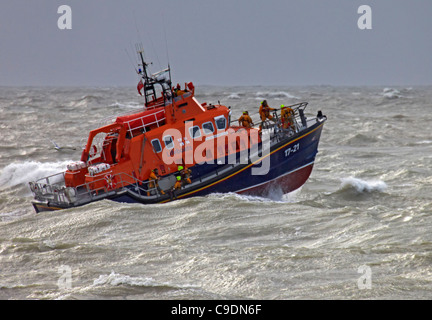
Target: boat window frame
[190,133]
[204,130]
[153,147]
[216,122]
[172,142]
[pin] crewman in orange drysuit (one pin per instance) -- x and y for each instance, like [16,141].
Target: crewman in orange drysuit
[245,120]
[185,174]
[153,181]
[264,111]
[287,116]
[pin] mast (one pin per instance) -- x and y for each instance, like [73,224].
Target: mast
[150,80]
[148,86]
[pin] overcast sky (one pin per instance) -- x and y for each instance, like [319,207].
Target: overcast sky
[217,42]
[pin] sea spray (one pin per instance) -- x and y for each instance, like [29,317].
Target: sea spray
[21,173]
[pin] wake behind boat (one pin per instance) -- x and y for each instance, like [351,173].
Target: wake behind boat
[177,147]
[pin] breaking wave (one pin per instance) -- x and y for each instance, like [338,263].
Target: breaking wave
[391,93]
[86,100]
[16,174]
[116,279]
[363,186]
[261,95]
[129,105]
[278,95]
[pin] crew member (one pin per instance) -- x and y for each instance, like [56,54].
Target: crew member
[153,181]
[245,120]
[185,174]
[177,186]
[264,111]
[287,116]
[178,91]
[178,183]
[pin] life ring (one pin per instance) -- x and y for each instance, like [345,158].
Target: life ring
[110,182]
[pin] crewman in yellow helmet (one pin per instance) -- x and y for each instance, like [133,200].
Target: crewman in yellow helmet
[245,120]
[185,174]
[178,183]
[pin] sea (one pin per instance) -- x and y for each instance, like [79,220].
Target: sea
[358,229]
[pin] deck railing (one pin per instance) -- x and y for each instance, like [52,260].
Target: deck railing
[146,121]
[54,190]
[300,120]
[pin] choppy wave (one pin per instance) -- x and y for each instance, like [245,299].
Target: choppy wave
[127,105]
[391,93]
[277,95]
[86,101]
[362,186]
[116,279]
[260,95]
[21,173]
[360,139]
[273,195]
[234,96]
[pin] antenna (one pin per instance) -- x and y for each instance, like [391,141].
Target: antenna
[131,61]
[166,41]
[140,50]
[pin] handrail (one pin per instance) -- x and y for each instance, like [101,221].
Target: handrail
[62,194]
[297,116]
[144,125]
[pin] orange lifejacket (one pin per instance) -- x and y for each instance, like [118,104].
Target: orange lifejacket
[264,112]
[246,121]
[287,117]
[153,177]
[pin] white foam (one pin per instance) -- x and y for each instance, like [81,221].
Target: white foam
[234,96]
[116,279]
[424,142]
[391,93]
[278,95]
[362,185]
[21,173]
[128,105]
[274,195]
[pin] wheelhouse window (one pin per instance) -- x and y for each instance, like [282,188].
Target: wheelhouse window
[169,142]
[208,128]
[220,122]
[195,132]
[156,145]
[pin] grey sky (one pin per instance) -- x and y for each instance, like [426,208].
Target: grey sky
[222,42]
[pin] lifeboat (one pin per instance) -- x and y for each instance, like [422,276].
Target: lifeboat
[177,147]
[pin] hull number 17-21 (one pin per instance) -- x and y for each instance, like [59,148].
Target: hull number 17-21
[292,149]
